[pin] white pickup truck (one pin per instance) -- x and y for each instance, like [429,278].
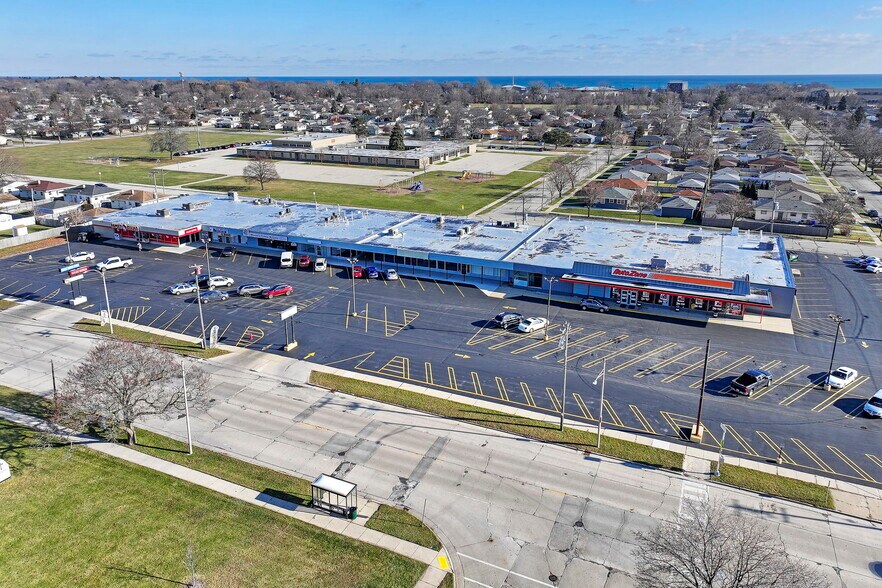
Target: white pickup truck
[114,263]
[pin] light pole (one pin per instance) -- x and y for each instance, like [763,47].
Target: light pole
[186,409]
[66,224]
[196,121]
[197,269]
[565,342]
[550,280]
[207,256]
[352,262]
[602,377]
[106,300]
[698,428]
[838,320]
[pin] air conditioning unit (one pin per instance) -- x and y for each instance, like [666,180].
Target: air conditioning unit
[461,233]
[163,212]
[658,263]
[694,239]
[394,232]
[766,246]
[234,196]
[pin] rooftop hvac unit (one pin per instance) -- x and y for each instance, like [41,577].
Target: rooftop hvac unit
[163,212]
[706,267]
[394,232]
[461,232]
[194,206]
[658,263]
[466,229]
[766,246]
[694,239]
[440,220]
[234,196]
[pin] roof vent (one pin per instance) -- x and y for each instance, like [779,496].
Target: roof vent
[163,212]
[658,263]
[394,232]
[461,232]
[766,246]
[194,206]
[706,267]
[694,239]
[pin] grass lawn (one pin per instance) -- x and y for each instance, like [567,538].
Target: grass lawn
[541,165]
[806,492]
[400,523]
[493,419]
[5,304]
[444,194]
[75,517]
[71,160]
[168,343]
[622,215]
[31,229]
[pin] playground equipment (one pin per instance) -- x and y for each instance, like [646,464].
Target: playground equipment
[466,174]
[417,187]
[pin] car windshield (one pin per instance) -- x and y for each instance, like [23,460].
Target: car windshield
[746,379]
[875,401]
[840,374]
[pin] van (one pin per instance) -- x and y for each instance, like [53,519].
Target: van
[287,259]
[321,264]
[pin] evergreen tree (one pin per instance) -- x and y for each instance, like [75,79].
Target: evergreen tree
[843,104]
[359,127]
[859,115]
[618,112]
[396,139]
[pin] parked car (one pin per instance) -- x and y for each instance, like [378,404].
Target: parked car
[114,263]
[251,289]
[304,261]
[372,272]
[228,251]
[869,261]
[534,323]
[357,271]
[505,320]
[80,256]
[320,265]
[287,259]
[751,381]
[593,304]
[391,274]
[873,406]
[853,191]
[184,288]
[859,259]
[213,296]
[278,290]
[216,282]
[841,377]
[873,213]
[874,268]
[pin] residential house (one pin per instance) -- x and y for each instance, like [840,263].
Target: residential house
[777,177]
[93,194]
[626,183]
[803,195]
[688,193]
[10,186]
[42,190]
[678,207]
[657,173]
[630,174]
[52,212]
[650,140]
[616,198]
[133,198]
[793,211]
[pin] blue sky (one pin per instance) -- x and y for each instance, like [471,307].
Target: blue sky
[441,37]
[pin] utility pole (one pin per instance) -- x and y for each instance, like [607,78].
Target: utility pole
[186,409]
[698,428]
[716,472]
[352,262]
[550,280]
[106,300]
[838,320]
[602,377]
[197,269]
[207,257]
[565,343]
[153,173]
[66,224]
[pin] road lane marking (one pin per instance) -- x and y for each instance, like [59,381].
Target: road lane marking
[555,403]
[812,455]
[473,341]
[691,367]
[428,371]
[507,571]
[646,371]
[796,304]
[224,332]
[641,418]
[723,371]
[439,286]
[781,381]
[420,284]
[638,358]
[860,472]
[777,449]
[527,394]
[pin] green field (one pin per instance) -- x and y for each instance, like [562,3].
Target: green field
[541,165]
[74,517]
[445,193]
[72,160]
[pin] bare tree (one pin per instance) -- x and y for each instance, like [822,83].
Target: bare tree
[827,157]
[590,194]
[118,383]
[767,139]
[558,178]
[788,110]
[712,546]
[643,200]
[572,167]
[10,166]
[260,170]
[22,131]
[834,212]
[168,139]
[668,115]
[735,206]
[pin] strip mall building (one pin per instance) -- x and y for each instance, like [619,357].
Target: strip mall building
[660,268]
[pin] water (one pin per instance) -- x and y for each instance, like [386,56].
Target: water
[849,81]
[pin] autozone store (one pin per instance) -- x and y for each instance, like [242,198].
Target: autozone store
[632,288]
[149,235]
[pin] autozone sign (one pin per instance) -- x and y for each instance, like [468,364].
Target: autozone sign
[78,271]
[672,278]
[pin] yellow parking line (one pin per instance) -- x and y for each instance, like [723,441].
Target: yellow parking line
[429,379]
[501,386]
[555,403]
[439,286]
[575,343]
[837,395]
[802,391]
[476,382]
[458,290]
[401,283]
[184,331]
[641,418]
[692,367]
[366,321]
[630,347]
[641,357]
[420,284]
[611,412]
[777,449]
[527,394]
[171,322]
[451,376]
[724,370]
[741,441]
[771,364]
[224,332]
[785,378]
[851,464]
[812,455]
[583,352]
[518,338]
[874,459]
[583,407]
[646,371]
[673,424]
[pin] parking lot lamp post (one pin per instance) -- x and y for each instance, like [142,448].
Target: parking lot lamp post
[66,224]
[207,257]
[602,377]
[565,342]
[698,428]
[550,280]
[106,300]
[352,262]
[838,320]
[186,409]
[197,269]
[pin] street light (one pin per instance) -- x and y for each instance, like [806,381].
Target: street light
[602,377]
[197,269]
[550,280]
[66,224]
[352,262]
[838,320]
[207,256]
[186,409]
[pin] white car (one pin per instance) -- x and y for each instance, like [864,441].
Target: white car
[869,261]
[534,323]
[391,274]
[873,406]
[320,265]
[80,256]
[218,282]
[178,289]
[841,377]
[874,268]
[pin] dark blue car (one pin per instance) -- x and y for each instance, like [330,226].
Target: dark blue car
[372,272]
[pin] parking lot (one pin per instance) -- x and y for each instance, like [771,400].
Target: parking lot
[438,334]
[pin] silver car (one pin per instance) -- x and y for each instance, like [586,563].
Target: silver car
[178,289]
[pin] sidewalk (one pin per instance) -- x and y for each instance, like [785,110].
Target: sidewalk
[432,577]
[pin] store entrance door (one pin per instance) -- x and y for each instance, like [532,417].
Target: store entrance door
[628,299]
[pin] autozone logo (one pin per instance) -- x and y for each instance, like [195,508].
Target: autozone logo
[629,273]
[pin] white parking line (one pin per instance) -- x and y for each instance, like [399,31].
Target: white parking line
[476,583]
[507,571]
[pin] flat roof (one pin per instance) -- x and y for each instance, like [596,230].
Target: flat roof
[558,244]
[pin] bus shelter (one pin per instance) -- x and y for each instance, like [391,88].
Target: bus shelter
[335,495]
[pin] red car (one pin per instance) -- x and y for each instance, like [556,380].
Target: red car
[304,261]
[358,272]
[278,290]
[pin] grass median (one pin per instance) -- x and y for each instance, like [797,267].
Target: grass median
[75,517]
[797,490]
[135,336]
[525,427]
[400,523]
[7,304]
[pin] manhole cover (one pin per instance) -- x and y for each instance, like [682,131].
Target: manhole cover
[580,524]
[552,578]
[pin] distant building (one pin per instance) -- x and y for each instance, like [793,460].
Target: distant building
[678,86]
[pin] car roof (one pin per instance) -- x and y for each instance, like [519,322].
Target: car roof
[878,394]
[758,373]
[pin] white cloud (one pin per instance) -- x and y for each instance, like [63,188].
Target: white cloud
[870,13]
